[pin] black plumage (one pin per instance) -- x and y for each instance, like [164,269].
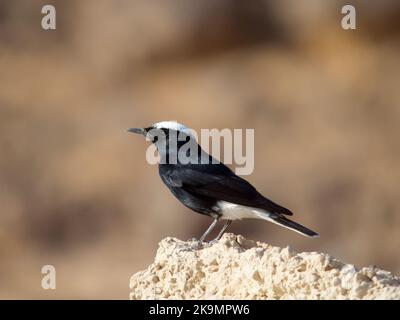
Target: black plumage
[207,186]
[213,182]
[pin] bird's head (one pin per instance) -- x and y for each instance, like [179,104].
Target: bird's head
[174,142]
[161,132]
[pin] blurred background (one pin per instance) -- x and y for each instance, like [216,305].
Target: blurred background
[76,191]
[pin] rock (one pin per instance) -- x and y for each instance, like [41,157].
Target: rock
[236,268]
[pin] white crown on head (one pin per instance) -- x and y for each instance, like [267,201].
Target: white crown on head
[173,125]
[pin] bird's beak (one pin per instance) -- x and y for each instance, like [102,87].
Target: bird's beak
[137,130]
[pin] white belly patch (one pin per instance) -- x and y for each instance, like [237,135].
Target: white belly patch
[233,211]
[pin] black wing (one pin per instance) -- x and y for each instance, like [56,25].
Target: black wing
[218,182]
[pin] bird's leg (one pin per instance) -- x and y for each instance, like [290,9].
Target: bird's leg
[208,230]
[226,225]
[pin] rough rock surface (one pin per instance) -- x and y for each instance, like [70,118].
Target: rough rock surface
[236,268]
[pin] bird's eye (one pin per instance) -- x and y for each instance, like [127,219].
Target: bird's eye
[155,139]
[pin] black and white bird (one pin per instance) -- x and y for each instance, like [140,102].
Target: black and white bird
[208,186]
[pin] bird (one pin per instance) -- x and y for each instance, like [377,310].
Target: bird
[206,185]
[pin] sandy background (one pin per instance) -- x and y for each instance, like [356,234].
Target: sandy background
[75,189]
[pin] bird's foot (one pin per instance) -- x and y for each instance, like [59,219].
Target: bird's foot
[212,242]
[196,243]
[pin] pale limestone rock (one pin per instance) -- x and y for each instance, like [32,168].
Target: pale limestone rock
[236,268]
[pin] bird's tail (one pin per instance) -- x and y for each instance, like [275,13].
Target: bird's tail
[287,223]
